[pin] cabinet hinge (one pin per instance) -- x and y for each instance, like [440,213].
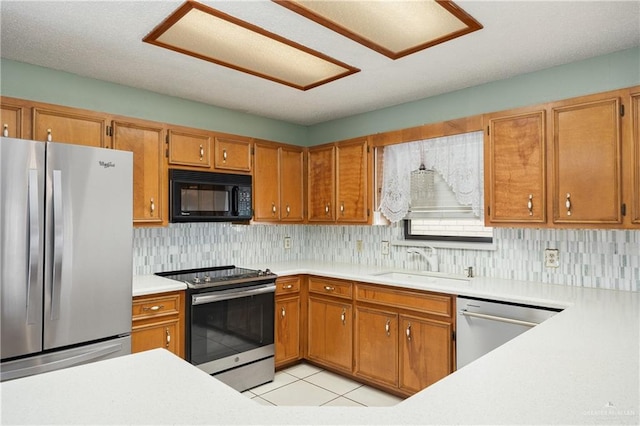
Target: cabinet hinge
[621,110]
[488,131]
[488,210]
[166,138]
[166,153]
[368,149]
[453,336]
[623,209]
[109,130]
[368,212]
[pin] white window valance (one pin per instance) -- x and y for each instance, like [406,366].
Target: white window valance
[458,159]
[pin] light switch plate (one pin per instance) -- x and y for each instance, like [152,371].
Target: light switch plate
[384,247]
[287,243]
[551,258]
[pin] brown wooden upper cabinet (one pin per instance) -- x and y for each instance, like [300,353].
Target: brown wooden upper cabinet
[146,141]
[587,164]
[11,120]
[189,148]
[515,172]
[634,172]
[338,182]
[564,164]
[232,153]
[278,182]
[70,125]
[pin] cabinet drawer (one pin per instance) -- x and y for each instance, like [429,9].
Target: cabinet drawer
[336,288]
[287,285]
[434,304]
[145,307]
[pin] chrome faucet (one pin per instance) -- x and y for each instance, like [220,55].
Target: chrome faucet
[432,258]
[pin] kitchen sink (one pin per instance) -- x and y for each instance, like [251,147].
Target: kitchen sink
[422,277]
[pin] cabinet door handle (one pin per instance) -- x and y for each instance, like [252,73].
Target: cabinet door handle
[282,312]
[201,152]
[387,327]
[567,204]
[152,207]
[288,210]
[153,308]
[168,336]
[273,209]
[224,155]
[530,204]
[343,316]
[342,208]
[326,208]
[49,138]
[408,331]
[5,130]
[287,287]
[329,288]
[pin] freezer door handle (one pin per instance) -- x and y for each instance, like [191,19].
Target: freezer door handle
[58,244]
[499,319]
[34,248]
[82,358]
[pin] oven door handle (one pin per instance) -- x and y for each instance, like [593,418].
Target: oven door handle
[217,296]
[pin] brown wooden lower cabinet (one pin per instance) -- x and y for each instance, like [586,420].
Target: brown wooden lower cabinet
[330,338]
[399,340]
[158,322]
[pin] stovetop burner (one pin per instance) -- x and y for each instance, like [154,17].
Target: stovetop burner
[217,276]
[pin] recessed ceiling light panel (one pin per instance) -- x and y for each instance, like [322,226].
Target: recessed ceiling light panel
[395,28]
[206,33]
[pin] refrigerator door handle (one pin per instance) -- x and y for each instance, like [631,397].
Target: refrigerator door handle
[58,244]
[34,248]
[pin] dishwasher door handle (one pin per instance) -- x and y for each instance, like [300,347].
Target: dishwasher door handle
[496,318]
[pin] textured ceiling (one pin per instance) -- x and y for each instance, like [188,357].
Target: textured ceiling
[103,40]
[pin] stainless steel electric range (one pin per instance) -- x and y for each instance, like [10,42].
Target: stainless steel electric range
[230,323]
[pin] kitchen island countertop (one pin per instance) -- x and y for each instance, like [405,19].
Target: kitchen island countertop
[579,367]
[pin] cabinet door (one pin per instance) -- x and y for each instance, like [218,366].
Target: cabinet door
[11,120]
[162,334]
[189,149]
[232,154]
[351,181]
[291,184]
[266,187]
[515,168]
[321,184]
[587,163]
[70,127]
[147,145]
[330,337]
[287,338]
[426,352]
[376,347]
[635,140]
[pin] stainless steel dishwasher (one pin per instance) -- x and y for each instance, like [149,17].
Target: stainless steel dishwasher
[483,325]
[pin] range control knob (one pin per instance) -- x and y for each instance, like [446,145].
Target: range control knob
[267,271]
[207,279]
[196,280]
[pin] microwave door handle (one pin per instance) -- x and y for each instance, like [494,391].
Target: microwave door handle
[235,199]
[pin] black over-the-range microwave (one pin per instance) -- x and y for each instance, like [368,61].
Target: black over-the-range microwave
[208,197]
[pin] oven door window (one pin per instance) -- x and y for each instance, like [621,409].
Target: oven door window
[229,327]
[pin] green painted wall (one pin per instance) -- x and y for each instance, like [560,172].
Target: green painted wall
[602,73]
[25,81]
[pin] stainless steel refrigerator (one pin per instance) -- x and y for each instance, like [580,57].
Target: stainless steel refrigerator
[65,255]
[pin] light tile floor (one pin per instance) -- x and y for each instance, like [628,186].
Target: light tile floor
[307,385]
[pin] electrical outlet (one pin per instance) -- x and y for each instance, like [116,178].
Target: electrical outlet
[287,243]
[359,246]
[385,247]
[551,258]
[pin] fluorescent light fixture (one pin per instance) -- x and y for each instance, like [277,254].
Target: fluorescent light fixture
[395,28]
[206,33]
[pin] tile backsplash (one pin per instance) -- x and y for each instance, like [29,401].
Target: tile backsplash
[588,258]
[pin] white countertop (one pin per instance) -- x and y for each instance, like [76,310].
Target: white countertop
[579,367]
